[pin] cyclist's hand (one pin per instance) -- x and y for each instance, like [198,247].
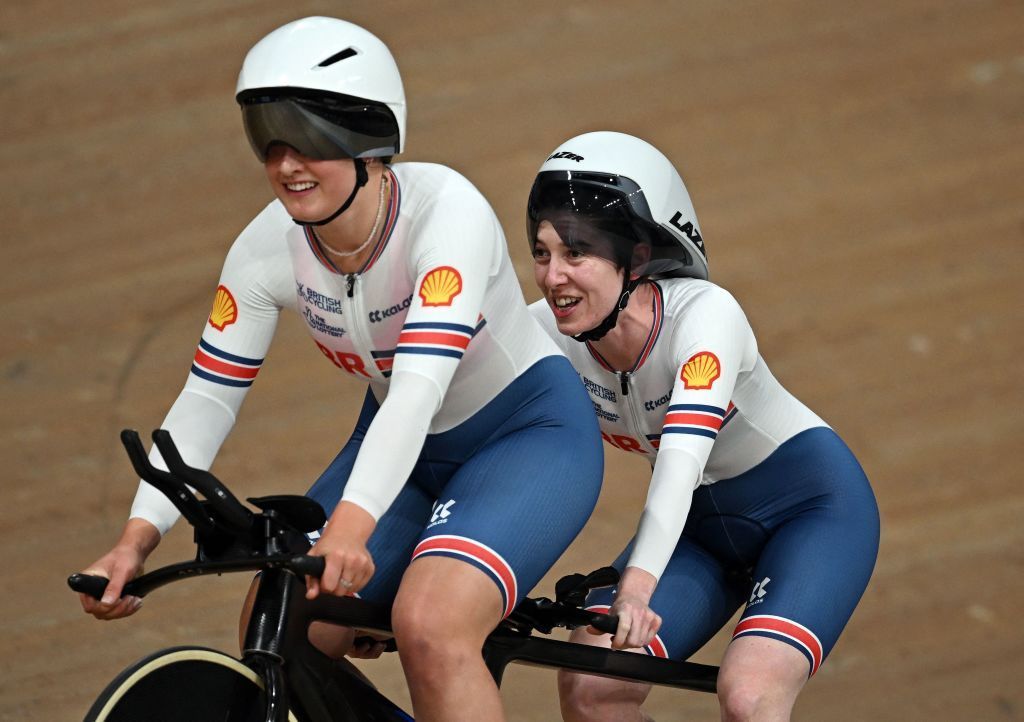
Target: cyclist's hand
[120,565]
[638,623]
[348,565]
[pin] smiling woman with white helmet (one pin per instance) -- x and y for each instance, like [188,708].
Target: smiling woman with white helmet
[475,455]
[753,499]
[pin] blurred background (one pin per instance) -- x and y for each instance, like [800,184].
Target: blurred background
[858,172]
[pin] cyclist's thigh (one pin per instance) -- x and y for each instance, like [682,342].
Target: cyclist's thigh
[520,499]
[695,597]
[819,556]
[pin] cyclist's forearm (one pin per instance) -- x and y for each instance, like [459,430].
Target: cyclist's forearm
[393,443]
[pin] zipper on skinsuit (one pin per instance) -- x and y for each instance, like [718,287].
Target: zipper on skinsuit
[350,282]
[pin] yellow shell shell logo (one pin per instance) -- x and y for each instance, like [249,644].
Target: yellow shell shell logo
[225,310]
[440,286]
[701,371]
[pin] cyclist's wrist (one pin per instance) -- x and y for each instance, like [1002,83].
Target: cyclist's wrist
[351,521]
[139,537]
[637,583]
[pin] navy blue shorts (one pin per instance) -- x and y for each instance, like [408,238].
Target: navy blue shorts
[795,539]
[506,491]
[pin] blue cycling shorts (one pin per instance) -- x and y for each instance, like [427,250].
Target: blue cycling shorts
[505,491]
[794,539]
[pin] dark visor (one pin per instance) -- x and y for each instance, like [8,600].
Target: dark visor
[604,215]
[320,128]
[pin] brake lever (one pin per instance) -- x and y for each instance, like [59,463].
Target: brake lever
[168,484]
[234,513]
[573,589]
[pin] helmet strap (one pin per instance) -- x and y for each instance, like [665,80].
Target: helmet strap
[362,177]
[599,331]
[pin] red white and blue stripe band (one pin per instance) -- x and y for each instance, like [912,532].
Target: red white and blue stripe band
[656,648]
[784,630]
[479,555]
[213,364]
[697,419]
[436,339]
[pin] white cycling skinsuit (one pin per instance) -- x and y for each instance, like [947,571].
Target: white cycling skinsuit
[436,310]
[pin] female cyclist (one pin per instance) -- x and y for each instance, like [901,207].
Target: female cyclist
[753,499]
[475,460]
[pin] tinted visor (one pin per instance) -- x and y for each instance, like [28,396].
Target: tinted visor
[320,126]
[604,215]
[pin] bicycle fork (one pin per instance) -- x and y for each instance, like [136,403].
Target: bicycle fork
[267,635]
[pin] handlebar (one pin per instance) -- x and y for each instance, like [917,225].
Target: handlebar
[94,585]
[540,613]
[232,538]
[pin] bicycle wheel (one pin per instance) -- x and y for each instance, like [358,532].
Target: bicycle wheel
[183,684]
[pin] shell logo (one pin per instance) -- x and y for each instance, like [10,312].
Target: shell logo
[440,286]
[225,310]
[700,371]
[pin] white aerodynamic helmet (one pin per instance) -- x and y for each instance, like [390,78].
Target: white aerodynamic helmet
[326,87]
[625,192]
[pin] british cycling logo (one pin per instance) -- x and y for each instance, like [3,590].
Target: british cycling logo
[597,390]
[442,510]
[378,315]
[314,298]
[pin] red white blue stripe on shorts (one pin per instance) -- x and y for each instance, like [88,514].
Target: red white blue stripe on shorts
[224,368]
[698,419]
[656,648]
[785,630]
[481,556]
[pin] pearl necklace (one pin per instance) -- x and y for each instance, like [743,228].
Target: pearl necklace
[373,231]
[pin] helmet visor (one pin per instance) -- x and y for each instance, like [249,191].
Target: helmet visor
[322,128]
[605,215]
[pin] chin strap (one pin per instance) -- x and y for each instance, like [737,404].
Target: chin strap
[361,179]
[599,331]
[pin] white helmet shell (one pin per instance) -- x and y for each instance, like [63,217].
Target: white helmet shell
[621,158]
[328,55]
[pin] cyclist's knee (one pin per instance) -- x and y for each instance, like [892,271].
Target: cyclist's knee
[431,642]
[586,698]
[760,679]
[754,698]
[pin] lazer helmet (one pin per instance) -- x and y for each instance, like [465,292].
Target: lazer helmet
[624,190]
[327,88]
[619,197]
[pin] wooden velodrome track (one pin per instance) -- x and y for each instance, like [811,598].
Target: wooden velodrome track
[858,170]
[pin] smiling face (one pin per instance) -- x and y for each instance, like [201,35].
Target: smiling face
[309,189]
[580,283]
